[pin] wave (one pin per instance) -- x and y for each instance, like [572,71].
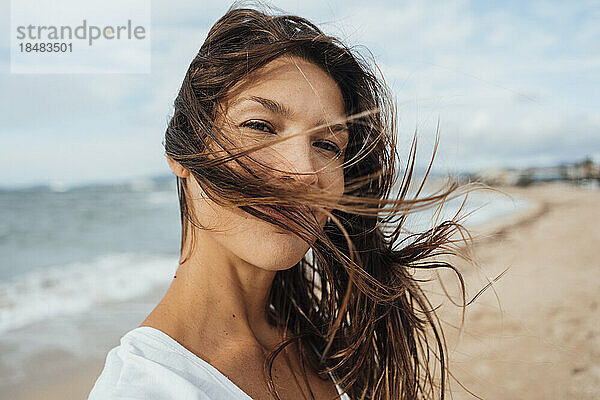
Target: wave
[77,287]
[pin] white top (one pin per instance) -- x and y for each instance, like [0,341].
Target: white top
[151,365]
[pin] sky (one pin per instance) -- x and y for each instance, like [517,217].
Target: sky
[512,83]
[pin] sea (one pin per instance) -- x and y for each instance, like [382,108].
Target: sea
[81,265]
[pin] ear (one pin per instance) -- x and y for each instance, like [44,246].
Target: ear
[177,168]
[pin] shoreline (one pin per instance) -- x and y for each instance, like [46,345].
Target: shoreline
[538,207]
[482,327]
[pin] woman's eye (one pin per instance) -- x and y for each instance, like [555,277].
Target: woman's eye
[332,147]
[260,126]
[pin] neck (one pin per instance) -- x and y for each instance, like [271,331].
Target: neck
[216,295]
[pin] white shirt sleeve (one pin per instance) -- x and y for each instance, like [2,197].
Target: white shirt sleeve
[143,368]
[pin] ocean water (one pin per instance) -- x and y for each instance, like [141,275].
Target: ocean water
[68,253]
[65,251]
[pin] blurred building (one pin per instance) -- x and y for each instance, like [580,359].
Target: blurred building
[578,172]
[499,176]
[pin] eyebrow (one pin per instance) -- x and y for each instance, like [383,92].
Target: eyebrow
[281,109]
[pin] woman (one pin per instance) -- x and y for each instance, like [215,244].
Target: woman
[282,141]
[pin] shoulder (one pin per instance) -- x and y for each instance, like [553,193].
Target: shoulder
[144,366]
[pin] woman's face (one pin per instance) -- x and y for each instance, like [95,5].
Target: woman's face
[286,96]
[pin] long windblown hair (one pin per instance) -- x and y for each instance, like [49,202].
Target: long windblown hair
[353,304]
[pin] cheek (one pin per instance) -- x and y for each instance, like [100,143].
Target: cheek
[334,181]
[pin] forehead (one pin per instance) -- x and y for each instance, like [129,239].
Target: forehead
[302,87]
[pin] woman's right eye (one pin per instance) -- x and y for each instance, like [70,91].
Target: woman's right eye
[258,125]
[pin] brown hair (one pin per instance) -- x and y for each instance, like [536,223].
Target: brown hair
[352,304]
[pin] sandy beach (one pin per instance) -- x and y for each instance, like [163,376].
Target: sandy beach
[538,336]
[541,342]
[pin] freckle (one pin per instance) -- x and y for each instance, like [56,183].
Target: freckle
[233,315]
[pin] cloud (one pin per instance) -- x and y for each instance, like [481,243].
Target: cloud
[511,84]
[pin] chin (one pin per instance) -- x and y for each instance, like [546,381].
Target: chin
[262,244]
[278,249]
[269,247]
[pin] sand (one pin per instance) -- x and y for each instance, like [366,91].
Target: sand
[540,337]
[545,344]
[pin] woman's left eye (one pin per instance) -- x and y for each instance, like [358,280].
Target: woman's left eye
[332,147]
